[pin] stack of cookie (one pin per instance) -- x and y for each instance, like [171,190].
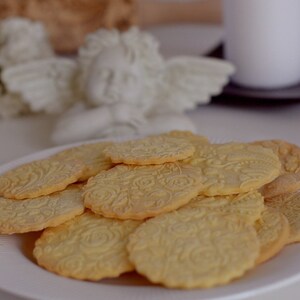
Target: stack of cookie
[180,211]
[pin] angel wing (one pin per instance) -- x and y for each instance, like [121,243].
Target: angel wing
[188,81]
[45,85]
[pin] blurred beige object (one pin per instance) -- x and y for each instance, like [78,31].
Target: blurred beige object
[69,21]
[161,11]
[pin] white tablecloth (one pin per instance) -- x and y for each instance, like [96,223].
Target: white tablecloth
[219,122]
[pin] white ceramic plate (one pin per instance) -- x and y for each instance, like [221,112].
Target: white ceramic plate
[19,274]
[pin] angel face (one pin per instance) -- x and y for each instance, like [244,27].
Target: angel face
[114,77]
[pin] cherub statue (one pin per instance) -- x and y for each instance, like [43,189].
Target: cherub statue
[129,89]
[33,79]
[124,87]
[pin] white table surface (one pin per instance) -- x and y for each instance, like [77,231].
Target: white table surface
[29,134]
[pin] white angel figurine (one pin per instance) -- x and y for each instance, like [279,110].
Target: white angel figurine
[22,40]
[129,89]
[33,78]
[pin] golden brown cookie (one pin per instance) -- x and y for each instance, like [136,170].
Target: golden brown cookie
[289,154]
[193,248]
[18,216]
[150,150]
[87,247]
[235,167]
[273,233]
[285,183]
[289,205]
[139,192]
[247,206]
[91,155]
[289,179]
[39,178]
[189,136]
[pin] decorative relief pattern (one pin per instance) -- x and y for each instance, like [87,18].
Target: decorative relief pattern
[18,216]
[193,248]
[273,233]
[248,206]
[285,183]
[150,150]
[91,155]
[234,168]
[289,205]
[195,139]
[139,192]
[39,178]
[88,247]
[289,156]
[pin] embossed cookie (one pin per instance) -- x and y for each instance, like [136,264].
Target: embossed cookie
[39,178]
[189,136]
[234,168]
[91,155]
[273,233]
[150,150]
[18,216]
[193,248]
[289,205]
[285,183]
[87,247]
[289,154]
[289,179]
[248,206]
[139,192]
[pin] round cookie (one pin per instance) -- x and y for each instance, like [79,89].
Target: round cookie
[19,216]
[234,168]
[139,192]
[189,136]
[193,248]
[248,206]
[150,150]
[285,183]
[87,247]
[289,179]
[91,155]
[273,233]
[39,178]
[289,205]
[289,154]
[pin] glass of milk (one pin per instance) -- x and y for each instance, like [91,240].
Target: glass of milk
[262,39]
